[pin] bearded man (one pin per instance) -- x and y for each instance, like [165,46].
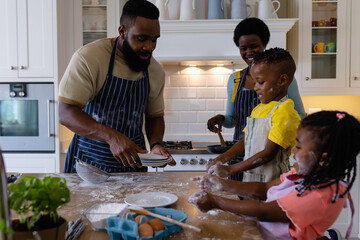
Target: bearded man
[108,87]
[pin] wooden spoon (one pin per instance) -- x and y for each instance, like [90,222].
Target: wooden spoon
[143,211]
[223,144]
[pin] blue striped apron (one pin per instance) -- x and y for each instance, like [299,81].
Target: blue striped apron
[245,101]
[120,104]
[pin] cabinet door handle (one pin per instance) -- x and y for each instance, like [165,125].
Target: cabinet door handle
[13,68]
[356,78]
[307,78]
[23,67]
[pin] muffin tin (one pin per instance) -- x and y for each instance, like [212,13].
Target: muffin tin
[127,229]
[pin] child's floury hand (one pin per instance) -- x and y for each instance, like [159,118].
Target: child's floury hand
[203,201]
[212,163]
[209,183]
[219,170]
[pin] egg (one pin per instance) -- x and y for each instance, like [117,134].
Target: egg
[137,219]
[145,230]
[157,224]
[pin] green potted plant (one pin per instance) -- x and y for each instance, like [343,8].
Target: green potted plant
[36,202]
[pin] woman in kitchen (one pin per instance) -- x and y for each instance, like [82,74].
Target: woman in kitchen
[251,36]
[107,88]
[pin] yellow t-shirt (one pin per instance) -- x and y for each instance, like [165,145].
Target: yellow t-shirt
[284,122]
[86,73]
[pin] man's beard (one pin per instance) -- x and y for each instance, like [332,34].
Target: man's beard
[133,59]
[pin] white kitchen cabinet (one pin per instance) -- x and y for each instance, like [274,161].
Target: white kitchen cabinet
[33,163]
[323,71]
[191,40]
[27,42]
[95,19]
[355,45]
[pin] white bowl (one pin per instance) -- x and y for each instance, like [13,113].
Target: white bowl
[97,214]
[90,173]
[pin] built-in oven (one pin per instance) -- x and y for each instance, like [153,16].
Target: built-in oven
[27,117]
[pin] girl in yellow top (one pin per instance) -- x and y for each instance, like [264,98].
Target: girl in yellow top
[270,131]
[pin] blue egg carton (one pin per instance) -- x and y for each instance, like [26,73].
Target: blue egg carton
[127,229]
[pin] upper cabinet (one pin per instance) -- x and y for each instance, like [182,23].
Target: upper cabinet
[95,19]
[180,40]
[27,42]
[355,45]
[329,49]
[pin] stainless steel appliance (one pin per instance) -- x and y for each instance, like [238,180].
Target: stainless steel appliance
[27,117]
[189,156]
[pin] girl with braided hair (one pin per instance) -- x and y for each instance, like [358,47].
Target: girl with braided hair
[304,202]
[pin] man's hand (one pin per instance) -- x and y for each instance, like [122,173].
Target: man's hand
[160,150]
[125,151]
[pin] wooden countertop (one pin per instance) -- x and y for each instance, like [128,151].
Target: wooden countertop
[215,224]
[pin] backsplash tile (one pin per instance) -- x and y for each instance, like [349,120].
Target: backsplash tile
[197,128]
[192,96]
[204,116]
[198,105]
[221,92]
[197,81]
[205,92]
[216,104]
[176,105]
[179,81]
[178,128]
[214,81]
[188,117]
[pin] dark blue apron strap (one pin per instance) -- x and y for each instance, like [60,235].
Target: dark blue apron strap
[112,58]
[243,77]
[70,161]
[239,114]
[238,176]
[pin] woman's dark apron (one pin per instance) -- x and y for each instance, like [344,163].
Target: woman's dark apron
[245,101]
[120,104]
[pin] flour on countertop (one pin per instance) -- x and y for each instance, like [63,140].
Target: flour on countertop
[98,215]
[119,185]
[213,212]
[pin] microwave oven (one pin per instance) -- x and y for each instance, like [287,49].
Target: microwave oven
[27,117]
